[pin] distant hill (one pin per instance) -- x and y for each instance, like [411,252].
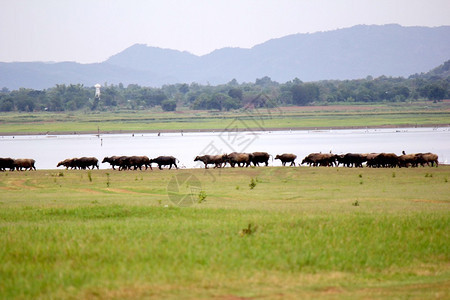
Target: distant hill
[442,71]
[351,53]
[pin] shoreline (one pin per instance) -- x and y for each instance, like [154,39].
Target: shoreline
[93,132]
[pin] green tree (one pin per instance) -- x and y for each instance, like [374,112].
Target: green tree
[434,92]
[7,104]
[110,96]
[184,88]
[231,103]
[24,100]
[235,93]
[205,101]
[169,105]
[364,94]
[265,82]
[303,94]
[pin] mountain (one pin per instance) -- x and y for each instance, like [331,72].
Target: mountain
[442,71]
[350,53]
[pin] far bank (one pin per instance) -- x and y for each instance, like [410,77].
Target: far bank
[279,118]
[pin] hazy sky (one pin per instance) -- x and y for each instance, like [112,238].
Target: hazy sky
[93,30]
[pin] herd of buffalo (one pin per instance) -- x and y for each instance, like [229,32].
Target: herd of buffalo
[17,164]
[374,160]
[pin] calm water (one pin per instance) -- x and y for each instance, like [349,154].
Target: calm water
[49,150]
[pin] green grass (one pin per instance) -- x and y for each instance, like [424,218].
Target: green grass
[64,236]
[287,117]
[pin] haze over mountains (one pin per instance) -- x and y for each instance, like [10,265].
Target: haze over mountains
[350,53]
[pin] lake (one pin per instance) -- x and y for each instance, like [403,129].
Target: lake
[48,150]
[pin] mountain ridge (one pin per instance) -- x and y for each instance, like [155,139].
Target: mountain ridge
[348,53]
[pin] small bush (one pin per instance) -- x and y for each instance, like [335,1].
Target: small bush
[202,196]
[249,230]
[252,183]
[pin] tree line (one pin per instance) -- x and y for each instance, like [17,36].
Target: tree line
[433,86]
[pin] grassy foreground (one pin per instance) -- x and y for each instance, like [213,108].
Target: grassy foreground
[298,233]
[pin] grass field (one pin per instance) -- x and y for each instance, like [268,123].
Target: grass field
[422,114]
[264,233]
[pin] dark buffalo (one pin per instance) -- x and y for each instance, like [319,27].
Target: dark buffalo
[68,163]
[351,160]
[240,159]
[86,162]
[369,158]
[137,162]
[390,160]
[164,161]
[24,163]
[287,157]
[383,160]
[216,160]
[260,157]
[113,161]
[7,163]
[124,163]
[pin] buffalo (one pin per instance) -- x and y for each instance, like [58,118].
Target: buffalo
[351,160]
[260,157]
[7,163]
[217,160]
[138,162]
[427,158]
[164,161]
[24,163]
[235,158]
[79,163]
[389,160]
[124,163]
[407,160]
[287,157]
[416,159]
[86,162]
[320,159]
[383,160]
[68,163]
[113,161]
[128,162]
